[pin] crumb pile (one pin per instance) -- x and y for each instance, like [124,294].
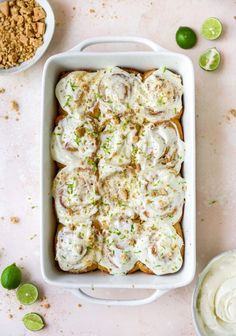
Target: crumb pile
[22,26]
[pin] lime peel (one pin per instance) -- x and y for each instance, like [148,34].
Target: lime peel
[185,37]
[33,321]
[27,294]
[11,277]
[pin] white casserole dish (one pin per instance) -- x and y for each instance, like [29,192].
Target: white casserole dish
[76,59]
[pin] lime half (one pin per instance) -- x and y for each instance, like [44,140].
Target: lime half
[33,321]
[11,277]
[210,59]
[185,37]
[211,28]
[27,294]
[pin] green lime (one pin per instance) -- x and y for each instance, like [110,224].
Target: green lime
[210,59]
[211,28]
[11,277]
[33,321]
[27,294]
[185,37]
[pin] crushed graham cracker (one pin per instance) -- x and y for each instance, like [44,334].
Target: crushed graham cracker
[2,90]
[14,220]
[22,26]
[233,112]
[14,105]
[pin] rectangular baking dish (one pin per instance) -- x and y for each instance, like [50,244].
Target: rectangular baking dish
[76,59]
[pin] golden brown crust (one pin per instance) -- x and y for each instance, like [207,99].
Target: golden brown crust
[148,73]
[105,270]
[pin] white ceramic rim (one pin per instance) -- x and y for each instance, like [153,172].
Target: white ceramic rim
[201,277]
[161,289]
[50,27]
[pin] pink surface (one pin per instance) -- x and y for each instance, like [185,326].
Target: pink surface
[19,168]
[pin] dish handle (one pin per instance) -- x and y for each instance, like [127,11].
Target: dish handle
[110,302]
[117,39]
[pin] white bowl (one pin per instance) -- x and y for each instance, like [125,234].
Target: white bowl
[50,26]
[197,324]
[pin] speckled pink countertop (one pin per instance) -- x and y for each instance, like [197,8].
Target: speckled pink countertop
[216,155]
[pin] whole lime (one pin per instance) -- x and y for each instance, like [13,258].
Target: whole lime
[185,37]
[11,277]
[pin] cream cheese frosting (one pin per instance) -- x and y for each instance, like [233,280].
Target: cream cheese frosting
[74,142]
[160,147]
[163,98]
[216,301]
[159,248]
[75,247]
[75,194]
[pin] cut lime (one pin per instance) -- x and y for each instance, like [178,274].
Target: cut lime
[211,28]
[11,277]
[27,294]
[33,321]
[185,37]
[210,59]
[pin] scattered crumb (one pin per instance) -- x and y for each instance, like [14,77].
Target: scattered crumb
[202,219]
[57,24]
[212,202]
[45,305]
[34,206]
[10,316]
[43,298]
[92,10]
[34,236]
[20,307]
[14,220]
[74,8]
[2,218]
[79,305]
[14,105]
[234,17]
[233,112]
[2,90]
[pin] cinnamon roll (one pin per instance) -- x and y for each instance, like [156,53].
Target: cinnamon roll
[163,95]
[74,142]
[75,194]
[160,249]
[160,147]
[75,248]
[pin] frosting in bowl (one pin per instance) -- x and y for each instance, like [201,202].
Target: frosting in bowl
[216,300]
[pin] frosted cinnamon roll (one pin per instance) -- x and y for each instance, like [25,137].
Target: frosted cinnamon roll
[75,194]
[117,242]
[74,142]
[118,93]
[162,197]
[163,95]
[160,147]
[75,248]
[116,145]
[160,249]
[119,192]
[77,93]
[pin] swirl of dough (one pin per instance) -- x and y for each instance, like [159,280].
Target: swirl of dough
[74,142]
[75,195]
[159,147]
[116,255]
[75,248]
[118,93]
[159,249]
[163,98]
[162,197]
[77,93]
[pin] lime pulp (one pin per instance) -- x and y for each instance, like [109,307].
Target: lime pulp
[27,294]
[11,277]
[185,37]
[210,59]
[33,321]
[211,28]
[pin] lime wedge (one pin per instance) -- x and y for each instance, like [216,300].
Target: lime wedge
[27,294]
[209,60]
[33,321]
[11,277]
[211,28]
[185,37]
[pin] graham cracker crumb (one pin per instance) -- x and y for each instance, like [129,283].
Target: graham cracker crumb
[2,90]
[79,305]
[10,316]
[14,220]
[233,112]
[45,305]
[92,10]
[14,106]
